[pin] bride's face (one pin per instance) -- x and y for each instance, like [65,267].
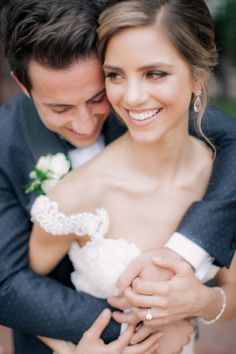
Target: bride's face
[148,83]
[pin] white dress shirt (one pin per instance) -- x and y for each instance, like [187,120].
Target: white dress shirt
[80,156]
[199,259]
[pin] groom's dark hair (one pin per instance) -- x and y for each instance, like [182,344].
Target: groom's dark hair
[54,33]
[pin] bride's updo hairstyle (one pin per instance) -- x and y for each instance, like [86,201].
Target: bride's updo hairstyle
[187,24]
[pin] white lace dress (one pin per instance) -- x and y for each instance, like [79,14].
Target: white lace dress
[100,262]
[97,264]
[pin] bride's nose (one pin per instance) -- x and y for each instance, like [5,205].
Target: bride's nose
[135,93]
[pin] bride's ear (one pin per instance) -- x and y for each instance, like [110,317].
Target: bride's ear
[200,78]
[20,85]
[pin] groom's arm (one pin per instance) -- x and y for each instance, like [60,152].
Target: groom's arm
[31,303]
[207,231]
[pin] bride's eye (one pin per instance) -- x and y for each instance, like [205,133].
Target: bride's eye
[156,74]
[113,76]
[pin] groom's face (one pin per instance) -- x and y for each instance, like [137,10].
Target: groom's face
[71,102]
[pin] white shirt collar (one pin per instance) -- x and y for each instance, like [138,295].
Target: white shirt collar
[80,156]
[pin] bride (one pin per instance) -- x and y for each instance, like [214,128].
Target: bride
[158,57]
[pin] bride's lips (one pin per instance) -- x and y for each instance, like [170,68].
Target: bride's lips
[143,117]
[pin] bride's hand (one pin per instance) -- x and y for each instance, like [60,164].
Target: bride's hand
[91,343]
[142,266]
[180,297]
[175,337]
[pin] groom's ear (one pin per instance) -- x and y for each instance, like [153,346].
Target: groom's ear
[20,85]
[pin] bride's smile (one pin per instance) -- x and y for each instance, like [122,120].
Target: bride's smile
[148,83]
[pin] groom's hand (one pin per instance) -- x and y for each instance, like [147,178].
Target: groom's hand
[144,268]
[141,267]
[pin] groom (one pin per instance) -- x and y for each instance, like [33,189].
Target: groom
[51,48]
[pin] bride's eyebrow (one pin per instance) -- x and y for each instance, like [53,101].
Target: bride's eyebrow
[111,67]
[157,65]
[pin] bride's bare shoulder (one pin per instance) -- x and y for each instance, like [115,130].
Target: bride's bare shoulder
[83,189]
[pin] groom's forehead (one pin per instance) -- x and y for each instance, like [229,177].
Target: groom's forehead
[80,83]
[84,72]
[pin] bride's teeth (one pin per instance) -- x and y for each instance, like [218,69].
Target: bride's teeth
[143,115]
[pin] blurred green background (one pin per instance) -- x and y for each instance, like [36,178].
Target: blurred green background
[224,91]
[224,14]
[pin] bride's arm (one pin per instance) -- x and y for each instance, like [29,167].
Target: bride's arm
[46,250]
[51,237]
[226,279]
[53,230]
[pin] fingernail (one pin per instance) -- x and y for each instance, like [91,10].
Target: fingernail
[105,312]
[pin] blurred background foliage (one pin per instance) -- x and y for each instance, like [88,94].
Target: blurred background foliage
[224,15]
[224,93]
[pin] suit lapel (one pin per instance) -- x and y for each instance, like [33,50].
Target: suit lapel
[41,140]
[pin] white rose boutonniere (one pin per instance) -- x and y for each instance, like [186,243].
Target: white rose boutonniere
[47,172]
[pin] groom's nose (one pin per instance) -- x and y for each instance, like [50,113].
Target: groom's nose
[84,122]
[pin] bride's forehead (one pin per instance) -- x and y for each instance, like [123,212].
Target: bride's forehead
[143,47]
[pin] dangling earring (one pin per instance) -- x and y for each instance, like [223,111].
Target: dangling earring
[197,103]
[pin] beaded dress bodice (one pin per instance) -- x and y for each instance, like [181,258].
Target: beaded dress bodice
[97,264]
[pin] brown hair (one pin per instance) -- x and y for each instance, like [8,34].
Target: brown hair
[187,23]
[55,33]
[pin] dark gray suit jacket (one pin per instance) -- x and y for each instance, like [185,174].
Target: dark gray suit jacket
[28,302]
[47,306]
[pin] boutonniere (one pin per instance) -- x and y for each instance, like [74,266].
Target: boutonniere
[47,173]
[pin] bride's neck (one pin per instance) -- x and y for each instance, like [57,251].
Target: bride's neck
[162,159]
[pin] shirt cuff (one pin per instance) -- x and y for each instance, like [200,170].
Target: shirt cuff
[199,259]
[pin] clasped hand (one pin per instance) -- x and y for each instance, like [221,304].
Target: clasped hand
[165,284]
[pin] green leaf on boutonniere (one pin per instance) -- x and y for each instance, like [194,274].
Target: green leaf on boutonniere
[47,172]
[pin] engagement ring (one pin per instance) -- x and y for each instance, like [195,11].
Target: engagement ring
[149,315]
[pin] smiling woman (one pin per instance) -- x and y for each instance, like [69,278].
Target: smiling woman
[143,82]
[198,52]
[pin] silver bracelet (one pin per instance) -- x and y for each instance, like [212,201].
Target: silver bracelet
[222,310]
